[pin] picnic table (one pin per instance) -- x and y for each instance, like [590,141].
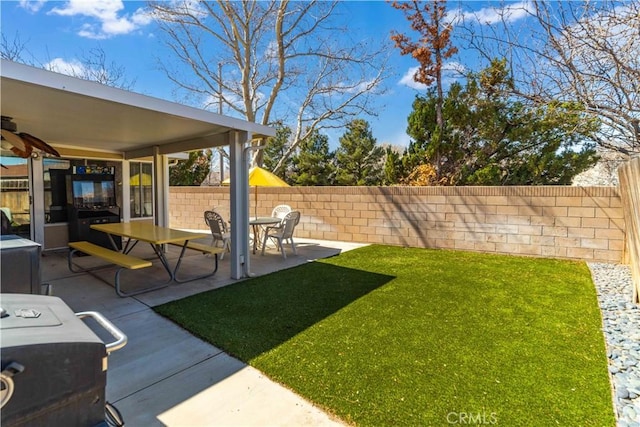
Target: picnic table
[156,236]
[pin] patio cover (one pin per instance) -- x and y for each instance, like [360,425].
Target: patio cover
[71,113]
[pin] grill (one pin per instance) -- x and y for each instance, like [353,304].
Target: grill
[54,368]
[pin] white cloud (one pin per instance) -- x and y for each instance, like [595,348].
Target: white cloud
[70,68]
[407,80]
[108,17]
[492,15]
[100,9]
[451,72]
[32,5]
[141,17]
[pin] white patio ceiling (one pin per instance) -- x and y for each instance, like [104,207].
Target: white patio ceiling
[69,112]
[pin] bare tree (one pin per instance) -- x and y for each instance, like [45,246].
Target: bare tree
[12,49]
[93,65]
[270,61]
[586,52]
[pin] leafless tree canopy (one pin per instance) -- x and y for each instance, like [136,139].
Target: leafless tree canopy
[95,66]
[586,51]
[269,61]
[12,49]
[92,65]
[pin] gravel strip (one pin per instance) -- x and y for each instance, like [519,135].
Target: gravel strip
[621,326]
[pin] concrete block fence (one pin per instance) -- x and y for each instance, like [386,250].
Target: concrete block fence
[581,223]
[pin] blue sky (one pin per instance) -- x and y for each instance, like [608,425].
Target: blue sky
[60,31]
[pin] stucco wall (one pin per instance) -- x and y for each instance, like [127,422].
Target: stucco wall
[567,222]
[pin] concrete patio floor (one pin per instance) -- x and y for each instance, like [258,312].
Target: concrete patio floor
[164,376]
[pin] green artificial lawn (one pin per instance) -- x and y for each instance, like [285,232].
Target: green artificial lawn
[386,336]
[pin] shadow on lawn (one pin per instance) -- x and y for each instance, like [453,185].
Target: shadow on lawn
[254,316]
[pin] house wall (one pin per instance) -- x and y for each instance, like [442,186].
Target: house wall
[585,223]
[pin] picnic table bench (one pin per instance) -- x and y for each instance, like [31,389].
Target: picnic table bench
[124,261]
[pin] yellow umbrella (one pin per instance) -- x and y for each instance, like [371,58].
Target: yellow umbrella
[259,177]
[135,180]
[263,178]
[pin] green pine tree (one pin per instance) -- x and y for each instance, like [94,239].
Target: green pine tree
[359,158]
[312,165]
[490,138]
[392,166]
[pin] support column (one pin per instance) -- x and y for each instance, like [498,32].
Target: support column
[239,204]
[161,187]
[36,199]
[125,191]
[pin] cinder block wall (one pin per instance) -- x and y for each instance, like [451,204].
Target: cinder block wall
[584,223]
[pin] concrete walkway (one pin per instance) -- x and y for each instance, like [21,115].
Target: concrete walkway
[164,376]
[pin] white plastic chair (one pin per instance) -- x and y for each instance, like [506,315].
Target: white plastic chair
[282,233]
[281,211]
[219,232]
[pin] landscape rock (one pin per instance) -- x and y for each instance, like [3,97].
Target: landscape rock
[621,323]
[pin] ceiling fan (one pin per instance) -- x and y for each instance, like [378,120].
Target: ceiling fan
[22,144]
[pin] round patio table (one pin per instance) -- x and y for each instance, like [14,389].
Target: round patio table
[258,223]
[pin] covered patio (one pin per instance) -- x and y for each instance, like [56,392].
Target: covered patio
[166,376]
[87,120]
